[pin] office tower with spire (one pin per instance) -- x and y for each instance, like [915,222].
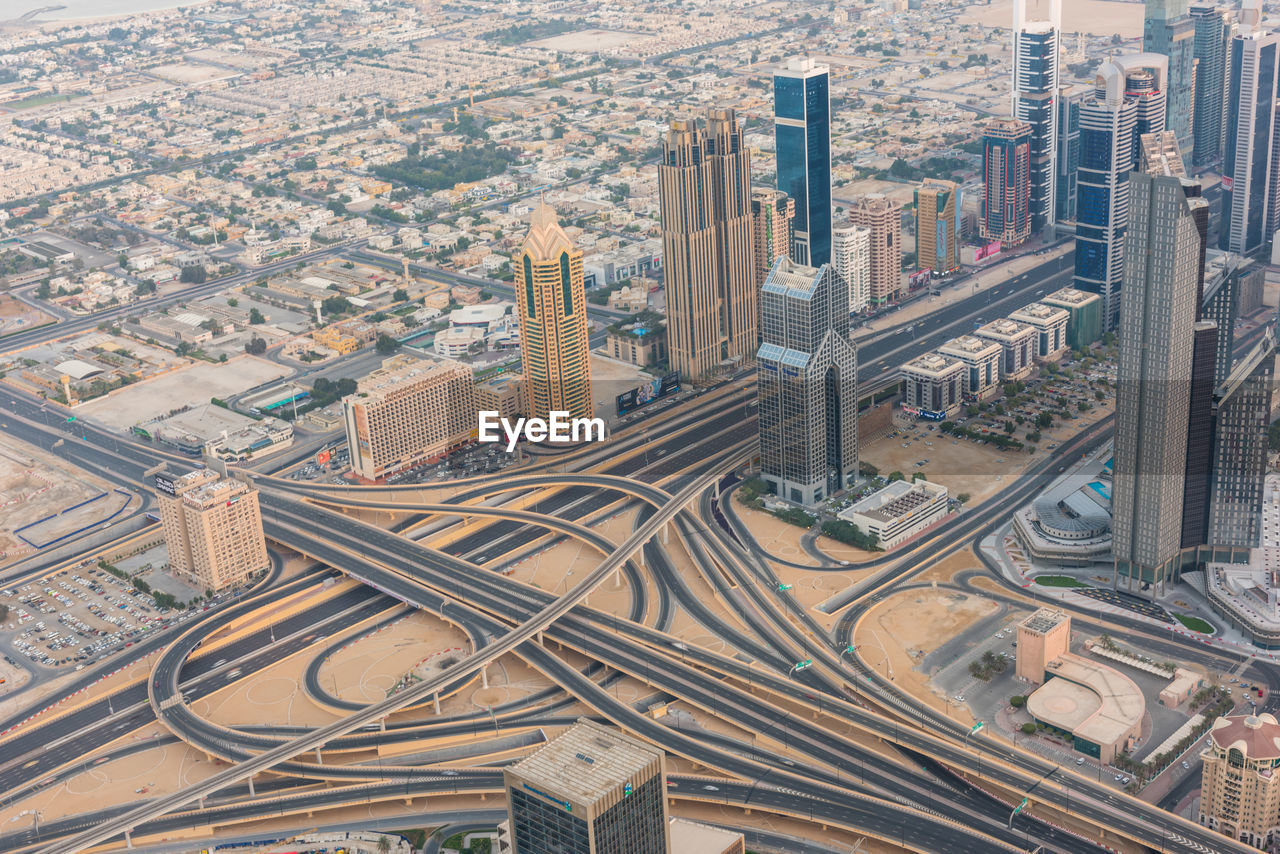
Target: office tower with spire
[937,205]
[552,305]
[773,219]
[704,197]
[1214,26]
[1006,182]
[802,136]
[1035,86]
[1247,166]
[1169,31]
[851,258]
[1161,266]
[806,384]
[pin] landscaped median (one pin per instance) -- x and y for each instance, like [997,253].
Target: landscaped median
[1058,581]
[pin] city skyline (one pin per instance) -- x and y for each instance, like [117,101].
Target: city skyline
[518,428]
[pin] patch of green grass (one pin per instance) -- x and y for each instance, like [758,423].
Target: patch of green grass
[1194,623]
[37,101]
[1058,581]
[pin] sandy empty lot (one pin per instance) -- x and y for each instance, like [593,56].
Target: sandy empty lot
[34,485]
[901,630]
[185,387]
[1098,17]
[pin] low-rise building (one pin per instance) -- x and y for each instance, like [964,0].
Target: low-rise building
[1084,315]
[982,365]
[503,395]
[934,385]
[899,511]
[1017,340]
[1050,324]
[641,345]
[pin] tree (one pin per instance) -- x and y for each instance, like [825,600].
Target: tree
[400,295]
[896,475]
[256,346]
[386,344]
[1028,729]
[255,317]
[384,845]
[233,302]
[1018,701]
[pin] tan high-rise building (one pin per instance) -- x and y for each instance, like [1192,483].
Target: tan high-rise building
[884,219]
[409,412]
[1042,638]
[937,225]
[1240,780]
[773,215]
[213,528]
[553,319]
[704,194]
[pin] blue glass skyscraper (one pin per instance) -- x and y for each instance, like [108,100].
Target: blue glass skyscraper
[802,132]
[1248,202]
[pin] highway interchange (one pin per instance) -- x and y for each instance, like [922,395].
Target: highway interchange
[819,736]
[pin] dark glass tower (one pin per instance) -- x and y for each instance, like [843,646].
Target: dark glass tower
[1212,39]
[1246,160]
[802,133]
[1168,30]
[806,384]
[1035,86]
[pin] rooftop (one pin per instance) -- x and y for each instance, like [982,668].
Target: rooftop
[1257,736]
[933,363]
[1044,620]
[586,761]
[1090,700]
[1071,297]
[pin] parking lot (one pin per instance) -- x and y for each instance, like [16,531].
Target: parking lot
[75,617]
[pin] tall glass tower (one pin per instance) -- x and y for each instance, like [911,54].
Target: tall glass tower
[1168,30]
[806,384]
[1250,116]
[1153,393]
[1035,86]
[802,132]
[1213,26]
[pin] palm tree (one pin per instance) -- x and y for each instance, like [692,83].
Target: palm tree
[384,845]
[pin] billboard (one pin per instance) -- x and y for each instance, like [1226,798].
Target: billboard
[165,484]
[988,250]
[322,458]
[647,393]
[915,280]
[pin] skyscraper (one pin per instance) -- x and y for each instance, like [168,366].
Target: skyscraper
[802,134]
[773,218]
[806,384]
[552,305]
[1250,126]
[213,528]
[883,218]
[1070,99]
[1035,85]
[1161,267]
[1169,31]
[1213,30]
[937,225]
[1006,181]
[704,195]
[590,790]
[1242,412]
[1107,123]
[851,258]
[1198,468]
